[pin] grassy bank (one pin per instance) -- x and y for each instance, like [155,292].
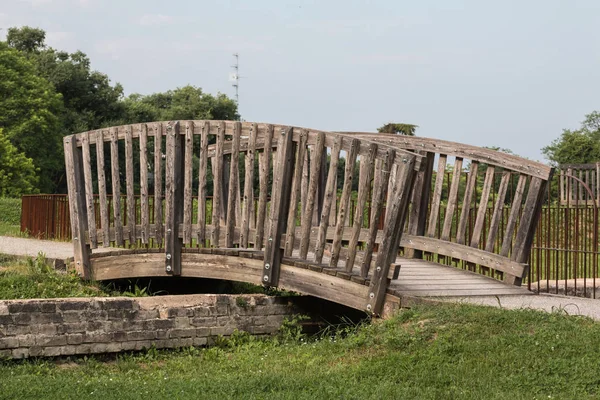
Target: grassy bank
[441,352]
[33,278]
[10,216]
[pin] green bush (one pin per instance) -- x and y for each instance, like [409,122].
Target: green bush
[10,211]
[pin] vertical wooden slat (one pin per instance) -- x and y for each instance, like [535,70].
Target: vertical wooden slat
[513,216]
[217,165]
[382,175]
[116,186]
[202,172]
[483,205]
[89,190]
[264,159]
[452,199]
[158,182]
[364,184]
[329,199]
[233,185]
[527,226]
[420,202]
[295,193]
[129,184]
[174,175]
[306,163]
[437,196]
[344,200]
[77,205]
[466,205]
[311,197]
[248,201]
[497,214]
[187,182]
[102,189]
[145,207]
[321,190]
[280,200]
[394,221]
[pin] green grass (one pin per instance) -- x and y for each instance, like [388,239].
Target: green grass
[33,278]
[10,217]
[428,352]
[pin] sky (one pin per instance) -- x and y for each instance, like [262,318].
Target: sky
[506,73]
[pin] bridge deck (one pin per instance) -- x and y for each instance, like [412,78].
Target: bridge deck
[421,278]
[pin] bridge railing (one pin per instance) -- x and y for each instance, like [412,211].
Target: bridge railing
[294,172]
[448,237]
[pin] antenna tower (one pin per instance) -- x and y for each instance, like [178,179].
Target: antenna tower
[234,77]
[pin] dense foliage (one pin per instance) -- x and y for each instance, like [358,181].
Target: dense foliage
[580,146]
[46,93]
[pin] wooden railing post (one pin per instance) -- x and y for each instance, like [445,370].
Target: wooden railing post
[420,202]
[174,174]
[77,206]
[280,202]
[395,218]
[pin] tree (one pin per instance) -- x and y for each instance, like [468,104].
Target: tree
[26,39]
[17,172]
[188,102]
[29,107]
[398,128]
[579,146]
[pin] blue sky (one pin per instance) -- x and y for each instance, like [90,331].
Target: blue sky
[490,73]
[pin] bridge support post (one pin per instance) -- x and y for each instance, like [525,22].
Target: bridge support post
[174,173]
[77,206]
[280,203]
[420,203]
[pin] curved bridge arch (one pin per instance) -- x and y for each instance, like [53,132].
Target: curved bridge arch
[271,213]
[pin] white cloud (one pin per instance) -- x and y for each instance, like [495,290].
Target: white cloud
[155,19]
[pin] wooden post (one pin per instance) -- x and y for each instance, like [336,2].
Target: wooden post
[394,223]
[280,199]
[174,175]
[77,206]
[420,202]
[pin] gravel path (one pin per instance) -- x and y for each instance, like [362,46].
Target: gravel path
[543,302]
[31,247]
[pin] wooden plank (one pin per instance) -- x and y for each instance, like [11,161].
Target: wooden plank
[344,200]
[437,196]
[202,178]
[130,184]
[248,203]
[466,205]
[77,206]
[393,225]
[420,201]
[174,175]
[144,205]
[295,193]
[311,198]
[515,211]
[234,173]
[280,200]
[497,215]
[452,199]
[382,175]
[217,164]
[187,182]
[264,159]
[116,186]
[330,191]
[158,183]
[483,205]
[104,220]
[466,253]
[527,225]
[364,185]
[89,191]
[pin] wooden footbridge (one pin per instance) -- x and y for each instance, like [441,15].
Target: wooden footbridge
[360,219]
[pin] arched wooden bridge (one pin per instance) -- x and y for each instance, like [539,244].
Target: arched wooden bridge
[355,218]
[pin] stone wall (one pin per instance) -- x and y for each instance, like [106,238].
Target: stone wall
[56,327]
